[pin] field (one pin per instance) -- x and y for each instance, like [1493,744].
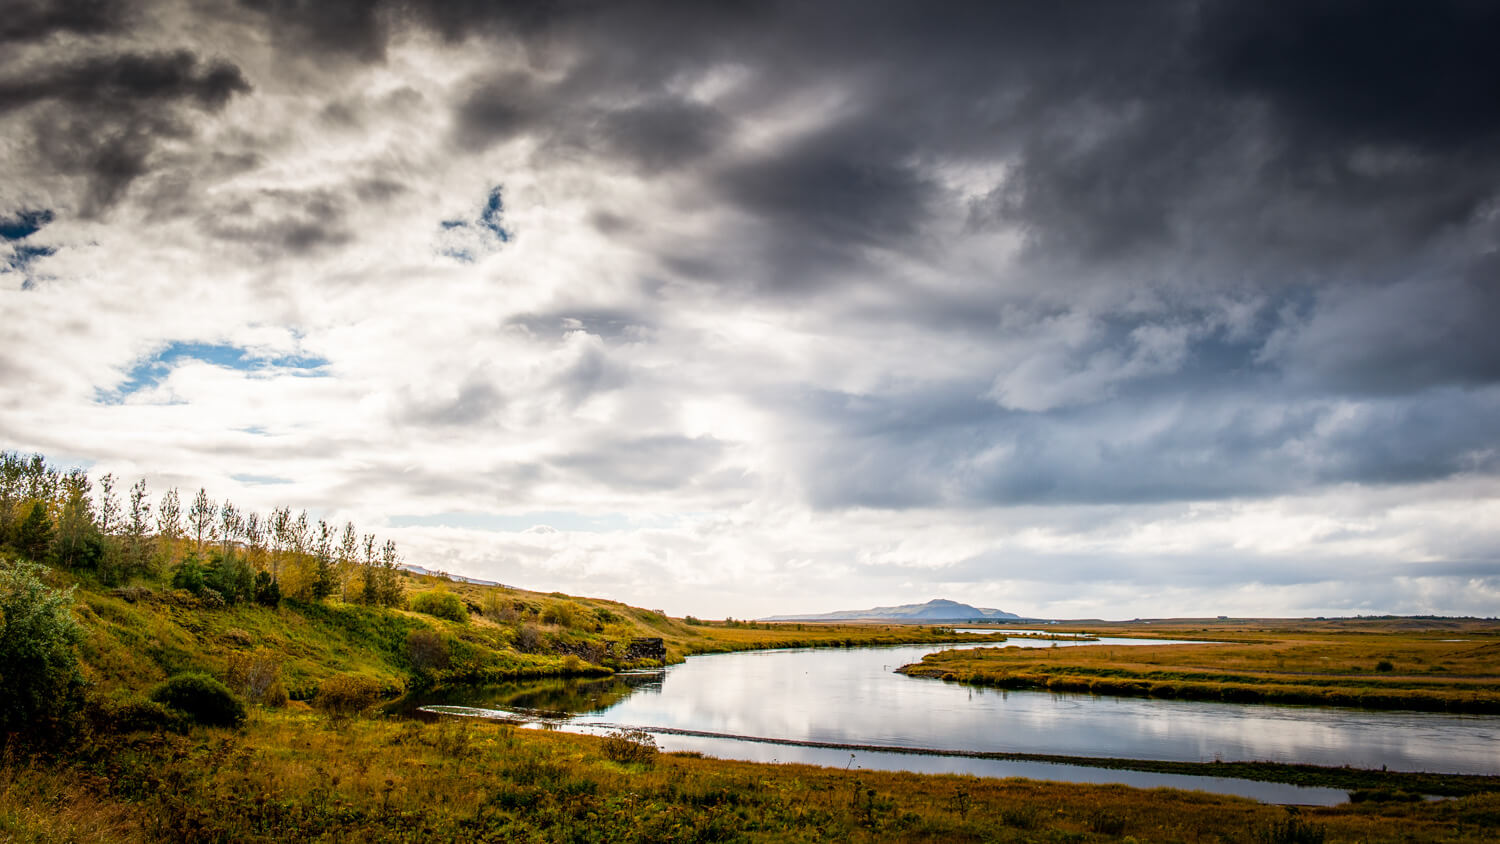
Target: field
[291,774]
[1439,665]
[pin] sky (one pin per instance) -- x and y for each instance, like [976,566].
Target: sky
[1087,309]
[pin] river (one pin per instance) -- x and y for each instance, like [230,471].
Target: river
[741,705]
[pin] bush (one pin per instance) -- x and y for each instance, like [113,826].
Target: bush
[41,690]
[257,677]
[428,650]
[134,715]
[267,590]
[201,698]
[528,639]
[231,577]
[440,604]
[188,575]
[561,613]
[347,694]
[1384,665]
[626,746]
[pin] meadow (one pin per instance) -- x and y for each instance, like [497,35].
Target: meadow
[296,774]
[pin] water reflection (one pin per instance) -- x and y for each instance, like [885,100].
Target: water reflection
[850,696]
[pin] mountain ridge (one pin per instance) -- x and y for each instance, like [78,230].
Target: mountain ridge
[937,609]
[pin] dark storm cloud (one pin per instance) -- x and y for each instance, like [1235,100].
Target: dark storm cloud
[31,20]
[945,447]
[102,117]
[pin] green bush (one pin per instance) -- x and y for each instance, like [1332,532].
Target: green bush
[267,590]
[201,698]
[189,575]
[41,690]
[440,604]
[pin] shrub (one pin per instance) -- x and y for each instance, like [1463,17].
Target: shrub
[1384,665]
[427,649]
[231,577]
[347,694]
[41,689]
[528,639]
[133,715]
[625,746]
[201,698]
[188,575]
[561,613]
[440,604]
[267,590]
[257,676]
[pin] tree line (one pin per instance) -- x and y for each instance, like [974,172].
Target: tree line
[214,549]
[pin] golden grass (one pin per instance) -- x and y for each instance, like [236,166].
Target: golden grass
[1377,665]
[297,776]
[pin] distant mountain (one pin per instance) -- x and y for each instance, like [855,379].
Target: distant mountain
[940,609]
[458,578]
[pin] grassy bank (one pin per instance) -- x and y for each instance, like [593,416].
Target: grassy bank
[293,775]
[1392,664]
[138,635]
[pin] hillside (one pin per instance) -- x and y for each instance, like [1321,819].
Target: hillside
[137,636]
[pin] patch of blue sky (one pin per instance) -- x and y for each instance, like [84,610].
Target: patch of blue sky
[260,480]
[467,239]
[24,224]
[151,370]
[22,255]
[515,523]
[494,207]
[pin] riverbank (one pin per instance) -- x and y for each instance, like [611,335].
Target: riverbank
[295,775]
[1399,665]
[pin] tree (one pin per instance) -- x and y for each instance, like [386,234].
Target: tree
[12,470]
[169,521]
[201,518]
[323,571]
[348,559]
[78,542]
[231,524]
[34,536]
[391,593]
[255,540]
[41,689]
[138,526]
[109,506]
[281,538]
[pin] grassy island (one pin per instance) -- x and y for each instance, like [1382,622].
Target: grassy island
[1434,665]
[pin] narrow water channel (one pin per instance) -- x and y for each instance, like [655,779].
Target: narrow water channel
[740,705]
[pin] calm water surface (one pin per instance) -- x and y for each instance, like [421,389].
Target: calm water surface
[851,696]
